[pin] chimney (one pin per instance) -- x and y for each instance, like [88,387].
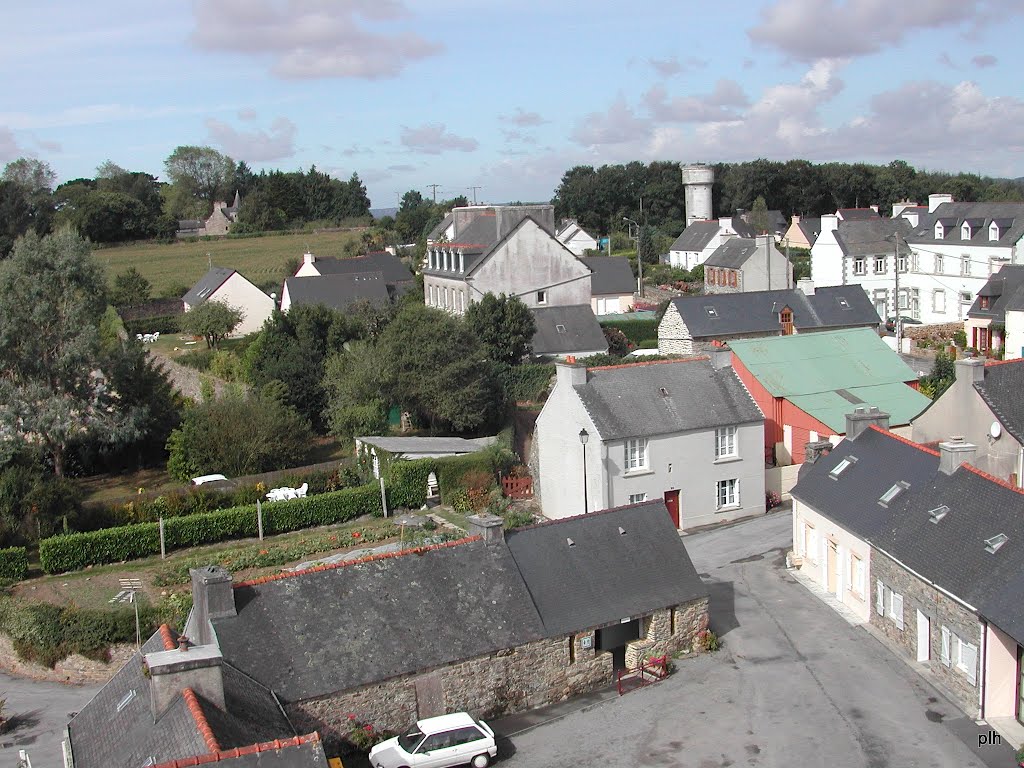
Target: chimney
[171,672]
[829,222]
[934,201]
[570,374]
[725,222]
[796,218]
[862,418]
[806,286]
[874,208]
[308,258]
[955,452]
[721,357]
[815,449]
[490,528]
[970,369]
[212,598]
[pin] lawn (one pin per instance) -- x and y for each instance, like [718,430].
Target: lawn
[260,259]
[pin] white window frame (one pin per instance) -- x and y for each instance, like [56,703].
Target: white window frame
[637,498]
[636,455]
[945,650]
[965,265]
[895,608]
[726,444]
[940,264]
[727,493]
[542,297]
[860,266]
[880,262]
[901,262]
[967,661]
[858,575]
[939,301]
[879,597]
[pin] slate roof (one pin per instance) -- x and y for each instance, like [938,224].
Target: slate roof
[315,633]
[296,752]
[811,227]
[442,225]
[867,237]
[390,266]
[1004,290]
[338,291]
[665,397]
[479,234]
[207,285]
[856,214]
[612,275]
[732,254]
[567,330]
[696,236]
[623,562]
[827,374]
[1009,215]
[1001,390]
[429,444]
[737,314]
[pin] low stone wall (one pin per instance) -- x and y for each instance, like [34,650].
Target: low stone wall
[74,670]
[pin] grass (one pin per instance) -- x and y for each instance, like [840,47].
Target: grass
[260,259]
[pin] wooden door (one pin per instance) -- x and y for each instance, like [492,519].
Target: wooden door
[672,502]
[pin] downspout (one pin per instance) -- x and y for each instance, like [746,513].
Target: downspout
[607,475]
[984,666]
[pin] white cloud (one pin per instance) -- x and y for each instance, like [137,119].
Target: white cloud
[247,114]
[618,125]
[519,136]
[90,114]
[523,119]
[433,139]
[255,146]
[721,104]
[49,146]
[984,60]
[314,38]
[813,29]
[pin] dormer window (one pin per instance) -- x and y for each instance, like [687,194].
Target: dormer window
[984,302]
[940,230]
[965,231]
[993,231]
[786,321]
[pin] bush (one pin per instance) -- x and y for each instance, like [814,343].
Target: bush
[406,482]
[13,563]
[71,552]
[635,330]
[528,382]
[159,324]
[517,518]
[706,640]
[649,344]
[200,359]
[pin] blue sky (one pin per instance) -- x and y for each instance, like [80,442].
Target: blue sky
[508,96]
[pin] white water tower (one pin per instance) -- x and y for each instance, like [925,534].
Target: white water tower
[698,180]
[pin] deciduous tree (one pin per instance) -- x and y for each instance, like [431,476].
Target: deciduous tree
[213,320]
[504,325]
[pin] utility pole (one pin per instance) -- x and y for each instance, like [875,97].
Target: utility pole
[899,317]
[434,188]
[639,262]
[474,193]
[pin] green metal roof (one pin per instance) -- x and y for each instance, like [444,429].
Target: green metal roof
[830,373]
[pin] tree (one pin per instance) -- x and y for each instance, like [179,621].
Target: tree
[412,216]
[213,320]
[759,217]
[357,397]
[15,215]
[130,289]
[202,172]
[34,179]
[504,325]
[53,389]
[33,503]
[238,435]
[646,245]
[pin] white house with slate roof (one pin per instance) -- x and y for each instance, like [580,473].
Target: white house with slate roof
[700,239]
[228,286]
[612,285]
[684,431]
[575,238]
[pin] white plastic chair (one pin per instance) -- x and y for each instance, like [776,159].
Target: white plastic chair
[300,492]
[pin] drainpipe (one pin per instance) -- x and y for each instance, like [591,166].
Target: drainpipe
[981,673]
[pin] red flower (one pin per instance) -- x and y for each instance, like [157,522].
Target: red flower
[368,728]
[351,717]
[356,534]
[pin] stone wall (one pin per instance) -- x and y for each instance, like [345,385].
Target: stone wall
[74,670]
[674,337]
[941,611]
[508,681]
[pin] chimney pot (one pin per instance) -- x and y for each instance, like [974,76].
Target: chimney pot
[183,643]
[955,452]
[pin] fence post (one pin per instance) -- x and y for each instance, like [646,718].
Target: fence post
[163,547]
[259,518]
[383,498]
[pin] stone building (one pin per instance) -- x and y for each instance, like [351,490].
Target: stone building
[218,223]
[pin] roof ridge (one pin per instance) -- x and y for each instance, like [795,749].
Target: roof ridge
[228,754]
[358,561]
[556,521]
[992,478]
[694,359]
[902,439]
[993,363]
[167,637]
[192,701]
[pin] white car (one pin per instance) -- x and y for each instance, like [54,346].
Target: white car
[437,742]
[207,479]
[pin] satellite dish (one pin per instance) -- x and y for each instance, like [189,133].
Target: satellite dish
[995,430]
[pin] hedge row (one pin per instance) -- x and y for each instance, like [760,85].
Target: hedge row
[160,324]
[71,552]
[635,330]
[13,563]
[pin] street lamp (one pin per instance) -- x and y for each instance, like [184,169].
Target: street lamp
[584,436]
[639,262]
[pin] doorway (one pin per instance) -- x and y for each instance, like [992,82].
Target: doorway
[672,503]
[833,559]
[924,634]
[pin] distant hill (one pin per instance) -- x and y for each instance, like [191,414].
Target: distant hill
[380,213]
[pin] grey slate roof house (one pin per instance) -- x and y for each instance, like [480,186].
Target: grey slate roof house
[741,265]
[803,231]
[691,323]
[377,277]
[996,318]
[567,331]
[926,547]
[699,240]
[611,285]
[685,431]
[230,287]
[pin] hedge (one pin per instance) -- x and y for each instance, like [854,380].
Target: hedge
[160,324]
[13,563]
[406,482]
[635,330]
[71,552]
[528,382]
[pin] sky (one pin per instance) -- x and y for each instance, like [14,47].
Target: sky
[505,97]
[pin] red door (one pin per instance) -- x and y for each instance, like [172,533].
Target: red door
[672,502]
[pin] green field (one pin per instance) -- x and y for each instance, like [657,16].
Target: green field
[260,259]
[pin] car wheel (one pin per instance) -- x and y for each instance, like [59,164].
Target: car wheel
[480,761]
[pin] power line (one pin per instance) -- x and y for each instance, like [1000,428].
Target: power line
[434,188]
[474,192]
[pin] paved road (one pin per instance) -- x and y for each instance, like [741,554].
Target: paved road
[794,685]
[41,712]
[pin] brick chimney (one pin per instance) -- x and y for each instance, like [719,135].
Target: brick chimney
[954,452]
[570,374]
[970,369]
[815,449]
[198,667]
[490,528]
[862,418]
[212,598]
[721,357]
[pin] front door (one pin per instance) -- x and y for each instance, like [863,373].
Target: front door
[833,559]
[672,502]
[924,634]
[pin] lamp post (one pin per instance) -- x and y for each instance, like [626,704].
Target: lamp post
[639,261]
[584,436]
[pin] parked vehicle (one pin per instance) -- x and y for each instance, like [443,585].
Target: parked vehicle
[438,742]
[203,479]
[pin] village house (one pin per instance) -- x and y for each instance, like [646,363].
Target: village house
[807,383]
[378,277]
[743,264]
[575,238]
[802,231]
[682,431]
[228,286]
[612,284]
[218,223]
[996,319]
[564,332]
[700,239]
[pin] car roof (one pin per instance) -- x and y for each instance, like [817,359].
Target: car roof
[444,723]
[207,479]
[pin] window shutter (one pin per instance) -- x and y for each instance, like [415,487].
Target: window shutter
[970,662]
[737,493]
[880,598]
[897,609]
[945,647]
[954,649]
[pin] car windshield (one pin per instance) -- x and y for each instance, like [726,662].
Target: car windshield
[409,741]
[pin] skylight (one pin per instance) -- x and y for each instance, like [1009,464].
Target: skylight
[843,303]
[993,544]
[892,493]
[711,311]
[560,328]
[126,700]
[842,466]
[934,515]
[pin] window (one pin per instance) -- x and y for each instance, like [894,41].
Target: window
[542,297]
[810,543]
[786,320]
[993,231]
[637,498]
[728,493]
[939,301]
[940,264]
[940,230]
[879,265]
[857,575]
[983,302]
[725,443]
[636,454]
[895,607]
[965,231]
[711,312]
[732,278]
[965,265]
[880,299]
[126,700]
[904,302]
[842,466]
[892,493]
[879,598]
[859,267]
[962,655]
[901,262]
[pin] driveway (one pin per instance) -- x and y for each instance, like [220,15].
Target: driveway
[793,685]
[40,712]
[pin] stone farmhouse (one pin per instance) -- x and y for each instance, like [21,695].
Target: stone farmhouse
[743,264]
[218,223]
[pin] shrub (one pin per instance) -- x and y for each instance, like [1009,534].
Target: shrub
[406,482]
[960,338]
[635,330]
[200,359]
[517,518]
[13,563]
[160,324]
[528,382]
[706,640]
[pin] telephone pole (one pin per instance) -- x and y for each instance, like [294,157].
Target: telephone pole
[434,187]
[474,193]
[899,317]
